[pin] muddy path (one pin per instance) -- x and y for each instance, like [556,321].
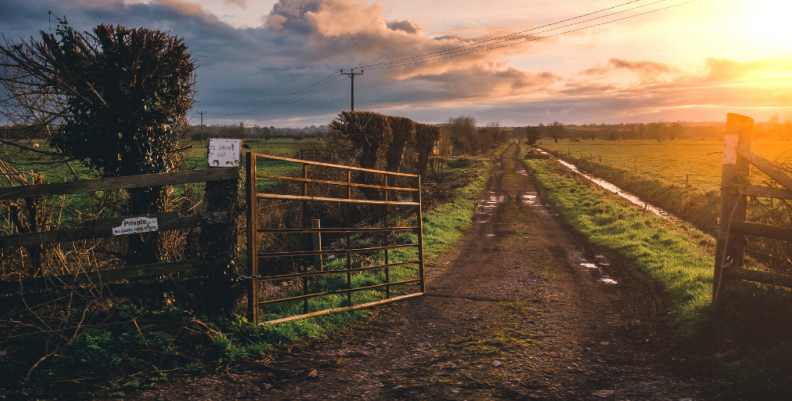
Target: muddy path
[519,311]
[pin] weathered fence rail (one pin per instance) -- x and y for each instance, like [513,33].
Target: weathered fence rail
[732,227]
[258,272]
[218,215]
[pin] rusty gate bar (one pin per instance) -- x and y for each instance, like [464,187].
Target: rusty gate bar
[348,291]
[355,185]
[333,230]
[329,272]
[306,274]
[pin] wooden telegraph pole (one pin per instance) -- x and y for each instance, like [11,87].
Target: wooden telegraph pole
[351,73]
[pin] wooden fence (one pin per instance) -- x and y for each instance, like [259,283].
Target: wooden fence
[732,226]
[220,200]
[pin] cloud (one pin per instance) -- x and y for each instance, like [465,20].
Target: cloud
[184,7]
[246,73]
[725,70]
[406,26]
[646,67]
[353,32]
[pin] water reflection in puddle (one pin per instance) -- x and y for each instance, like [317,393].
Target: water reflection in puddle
[626,195]
[530,199]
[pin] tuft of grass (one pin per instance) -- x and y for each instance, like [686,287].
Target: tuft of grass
[505,337]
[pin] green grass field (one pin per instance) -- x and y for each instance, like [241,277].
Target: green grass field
[671,161]
[30,163]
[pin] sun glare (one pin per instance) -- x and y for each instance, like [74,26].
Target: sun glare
[767,22]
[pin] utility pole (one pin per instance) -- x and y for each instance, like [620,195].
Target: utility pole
[201,113]
[351,72]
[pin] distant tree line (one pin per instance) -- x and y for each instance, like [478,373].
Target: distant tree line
[773,129]
[255,132]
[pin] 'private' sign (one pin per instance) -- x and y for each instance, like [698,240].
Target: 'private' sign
[136,225]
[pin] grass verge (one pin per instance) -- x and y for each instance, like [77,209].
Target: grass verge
[695,206]
[741,344]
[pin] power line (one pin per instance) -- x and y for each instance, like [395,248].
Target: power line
[518,38]
[278,102]
[282,103]
[504,36]
[513,39]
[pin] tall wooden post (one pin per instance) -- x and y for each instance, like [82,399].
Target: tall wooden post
[729,248]
[218,244]
[252,234]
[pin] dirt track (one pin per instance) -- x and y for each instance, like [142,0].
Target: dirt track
[511,314]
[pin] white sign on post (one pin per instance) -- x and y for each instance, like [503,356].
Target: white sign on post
[136,225]
[223,152]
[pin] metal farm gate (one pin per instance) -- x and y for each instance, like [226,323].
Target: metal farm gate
[262,271]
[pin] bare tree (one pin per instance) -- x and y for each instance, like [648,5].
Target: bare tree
[556,130]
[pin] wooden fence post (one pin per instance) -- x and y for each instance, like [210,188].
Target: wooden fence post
[252,236]
[316,224]
[729,248]
[218,243]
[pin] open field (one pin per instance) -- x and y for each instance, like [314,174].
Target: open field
[670,161]
[29,163]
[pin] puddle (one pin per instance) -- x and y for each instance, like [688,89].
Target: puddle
[626,195]
[522,172]
[529,199]
[483,221]
[490,235]
[608,281]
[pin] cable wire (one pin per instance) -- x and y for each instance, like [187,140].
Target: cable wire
[539,38]
[504,36]
[525,36]
[277,103]
[485,46]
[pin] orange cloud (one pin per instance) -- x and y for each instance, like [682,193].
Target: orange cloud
[647,67]
[353,32]
[183,6]
[724,69]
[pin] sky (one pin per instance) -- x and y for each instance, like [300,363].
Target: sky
[276,63]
